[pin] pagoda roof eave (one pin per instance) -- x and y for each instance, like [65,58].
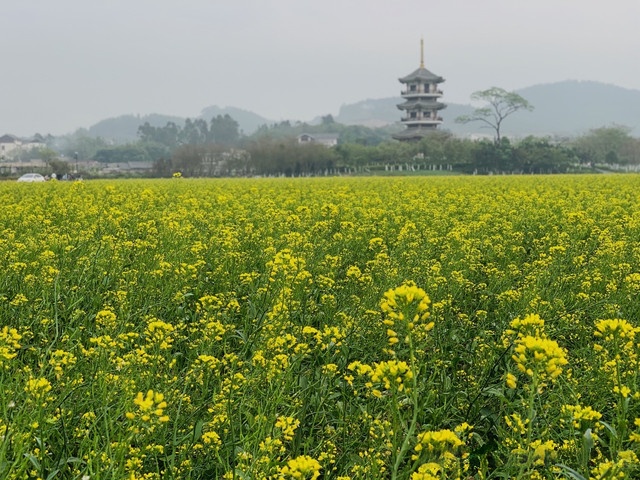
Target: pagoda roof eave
[421,104]
[414,133]
[422,74]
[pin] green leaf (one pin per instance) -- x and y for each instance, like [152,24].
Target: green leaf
[570,472]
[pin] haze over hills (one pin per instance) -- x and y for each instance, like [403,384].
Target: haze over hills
[574,107]
[249,122]
[125,127]
[565,108]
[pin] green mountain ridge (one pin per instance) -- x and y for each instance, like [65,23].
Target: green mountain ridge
[566,108]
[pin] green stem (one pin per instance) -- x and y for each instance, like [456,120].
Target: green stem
[414,418]
[621,424]
[531,413]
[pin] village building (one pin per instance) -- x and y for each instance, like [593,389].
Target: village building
[10,145]
[421,102]
[326,139]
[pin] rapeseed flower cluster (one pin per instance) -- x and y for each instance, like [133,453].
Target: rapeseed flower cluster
[438,441]
[61,360]
[288,426]
[302,467]
[106,319]
[404,308]
[9,345]
[535,355]
[440,452]
[581,417]
[393,375]
[428,471]
[37,390]
[618,351]
[150,410]
[615,328]
[539,357]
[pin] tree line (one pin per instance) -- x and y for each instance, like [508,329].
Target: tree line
[283,155]
[274,150]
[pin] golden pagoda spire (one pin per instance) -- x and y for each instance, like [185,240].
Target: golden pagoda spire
[421,52]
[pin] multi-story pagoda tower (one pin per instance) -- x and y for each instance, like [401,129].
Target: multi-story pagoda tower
[421,103]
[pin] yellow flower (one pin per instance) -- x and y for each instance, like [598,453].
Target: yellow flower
[18,300]
[150,407]
[302,467]
[623,390]
[37,390]
[428,471]
[543,450]
[516,424]
[288,426]
[404,308]
[397,300]
[438,441]
[360,368]
[539,357]
[106,318]
[211,438]
[392,374]
[9,345]
[37,386]
[60,360]
[531,324]
[579,414]
[160,333]
[615,328]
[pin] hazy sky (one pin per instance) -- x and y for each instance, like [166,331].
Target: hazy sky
[70,63]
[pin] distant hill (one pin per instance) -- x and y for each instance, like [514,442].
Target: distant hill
[249,122]
[370,113]
[124,128]
[564,108]
[572,107]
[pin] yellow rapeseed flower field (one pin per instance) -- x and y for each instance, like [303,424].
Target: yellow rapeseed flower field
[343,328]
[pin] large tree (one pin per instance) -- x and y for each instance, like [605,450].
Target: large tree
[500,104]
[224,130]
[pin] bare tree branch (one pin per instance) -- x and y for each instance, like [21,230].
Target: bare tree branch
[502,104]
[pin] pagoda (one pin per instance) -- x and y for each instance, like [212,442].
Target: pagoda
[421,102]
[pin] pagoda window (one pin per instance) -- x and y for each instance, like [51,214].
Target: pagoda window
[412,88]
[413,114]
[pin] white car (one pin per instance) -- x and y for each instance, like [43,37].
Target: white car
[31,177]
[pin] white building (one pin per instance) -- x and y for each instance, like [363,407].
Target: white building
[326,139]
[10,145]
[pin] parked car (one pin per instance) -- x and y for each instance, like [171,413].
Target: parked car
[31,177]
